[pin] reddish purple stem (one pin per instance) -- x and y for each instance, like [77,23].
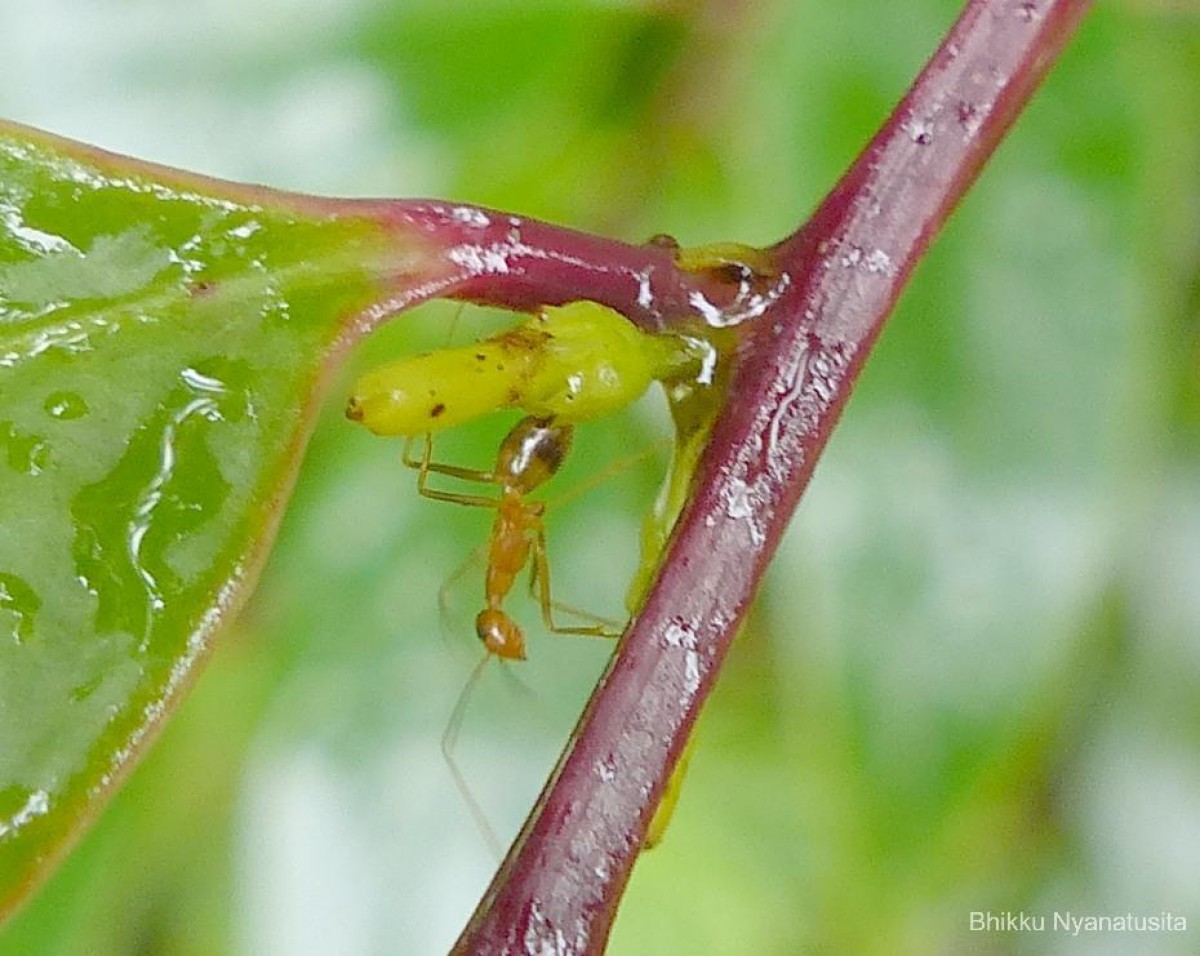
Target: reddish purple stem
[809,334]
[496,258]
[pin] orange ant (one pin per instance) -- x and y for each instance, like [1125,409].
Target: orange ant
[565,365]
[529,455]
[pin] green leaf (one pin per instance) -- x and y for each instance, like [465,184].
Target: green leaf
[161,341]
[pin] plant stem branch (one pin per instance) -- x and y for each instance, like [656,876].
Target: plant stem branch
[558,890]
[498,259]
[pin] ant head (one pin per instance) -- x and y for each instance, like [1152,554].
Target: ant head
[501,635]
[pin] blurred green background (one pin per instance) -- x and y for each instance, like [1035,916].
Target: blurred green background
[971,682]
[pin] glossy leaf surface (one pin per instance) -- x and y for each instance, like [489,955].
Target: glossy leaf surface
[161,338]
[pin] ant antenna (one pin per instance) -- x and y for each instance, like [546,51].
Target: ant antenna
[446,592]
[609,471]
[450,741]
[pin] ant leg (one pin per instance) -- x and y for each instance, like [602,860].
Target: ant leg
[449,586]
[424,467]
[539,583]
[450,741]
[611,470]
[609,626]
[426,464]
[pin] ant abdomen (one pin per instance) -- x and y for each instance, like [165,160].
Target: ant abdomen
[532,452]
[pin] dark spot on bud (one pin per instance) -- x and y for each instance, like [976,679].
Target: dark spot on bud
[437,409]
